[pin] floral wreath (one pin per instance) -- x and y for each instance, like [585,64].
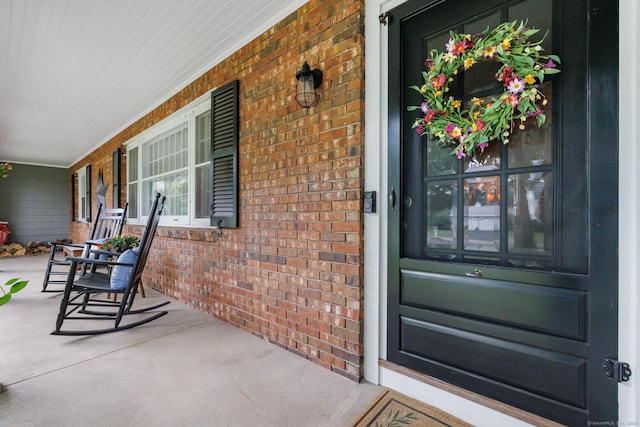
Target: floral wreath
[523,68]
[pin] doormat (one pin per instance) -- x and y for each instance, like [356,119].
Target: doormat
[392,409]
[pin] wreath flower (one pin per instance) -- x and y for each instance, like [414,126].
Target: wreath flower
[522,68]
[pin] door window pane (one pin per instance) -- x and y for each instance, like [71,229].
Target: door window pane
[439,159]
[530,216]
[532,146]
[442,217]
[488,160]
[480,80]
[482,213]
[537,14]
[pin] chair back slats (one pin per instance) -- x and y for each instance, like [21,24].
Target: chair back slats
[108,223]
[147,239]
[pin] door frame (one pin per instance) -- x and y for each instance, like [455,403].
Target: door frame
[375,271]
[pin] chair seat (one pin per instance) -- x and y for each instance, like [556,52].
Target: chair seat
[98,282]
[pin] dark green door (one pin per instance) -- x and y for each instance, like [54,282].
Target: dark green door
[503,268]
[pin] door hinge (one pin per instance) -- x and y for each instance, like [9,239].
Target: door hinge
[619,371]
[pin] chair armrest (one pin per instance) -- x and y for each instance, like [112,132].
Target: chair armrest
[99,252]
[72,245]
[95,241]
[97,262]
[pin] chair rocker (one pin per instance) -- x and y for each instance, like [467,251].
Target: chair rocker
[108,224]
[83,297]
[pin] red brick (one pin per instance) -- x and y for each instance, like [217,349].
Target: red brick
[292,272]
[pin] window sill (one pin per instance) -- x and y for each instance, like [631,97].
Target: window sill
[183,232]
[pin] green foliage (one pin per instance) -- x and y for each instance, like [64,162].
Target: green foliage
[120,243]
[14,285]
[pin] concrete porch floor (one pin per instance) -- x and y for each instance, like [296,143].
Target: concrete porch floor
[186,368]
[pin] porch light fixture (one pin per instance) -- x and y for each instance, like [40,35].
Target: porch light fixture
[308,81]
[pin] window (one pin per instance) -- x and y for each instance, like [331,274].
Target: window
[84,194]
[175,158]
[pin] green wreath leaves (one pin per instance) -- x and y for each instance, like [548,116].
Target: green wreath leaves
[522,68]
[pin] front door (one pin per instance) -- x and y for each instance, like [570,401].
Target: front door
[503,267]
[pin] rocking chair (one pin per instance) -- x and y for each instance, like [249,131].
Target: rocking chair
[82,298]
[108,224]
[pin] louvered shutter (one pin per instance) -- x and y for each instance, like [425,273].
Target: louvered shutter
[115,178]
[74,196]
[224,156]
[87,188]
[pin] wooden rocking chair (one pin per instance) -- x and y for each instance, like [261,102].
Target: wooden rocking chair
[108,224]
[83,293]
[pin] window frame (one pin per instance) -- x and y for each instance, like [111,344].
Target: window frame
[188,114]
[83,192]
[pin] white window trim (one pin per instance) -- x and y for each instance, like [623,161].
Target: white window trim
[81,194]
[186,114]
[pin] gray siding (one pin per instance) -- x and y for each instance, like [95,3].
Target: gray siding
[34,200]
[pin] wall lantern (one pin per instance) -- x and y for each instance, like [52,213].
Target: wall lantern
[308,81]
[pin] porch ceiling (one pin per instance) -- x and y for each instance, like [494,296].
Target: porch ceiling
[74,73]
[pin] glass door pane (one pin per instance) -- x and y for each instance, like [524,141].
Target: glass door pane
[482,214]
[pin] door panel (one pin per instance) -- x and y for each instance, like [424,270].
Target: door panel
[543,309]
[498,359]
[502,268]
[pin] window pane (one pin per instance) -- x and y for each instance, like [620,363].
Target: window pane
[174,187]
[529,208]
[442,214]
[482,213]
[132,161]
[166,153]
[203,138]
[82,194]
[203,192]
[132,197]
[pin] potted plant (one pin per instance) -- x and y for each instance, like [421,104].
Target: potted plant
[120,243]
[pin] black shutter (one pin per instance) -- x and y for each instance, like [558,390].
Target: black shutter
[224,156]
[115,178]
[87,188]
[74,208]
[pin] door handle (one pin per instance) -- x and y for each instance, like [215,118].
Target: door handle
[392,198]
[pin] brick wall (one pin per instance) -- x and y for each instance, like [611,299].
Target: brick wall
[292,272]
